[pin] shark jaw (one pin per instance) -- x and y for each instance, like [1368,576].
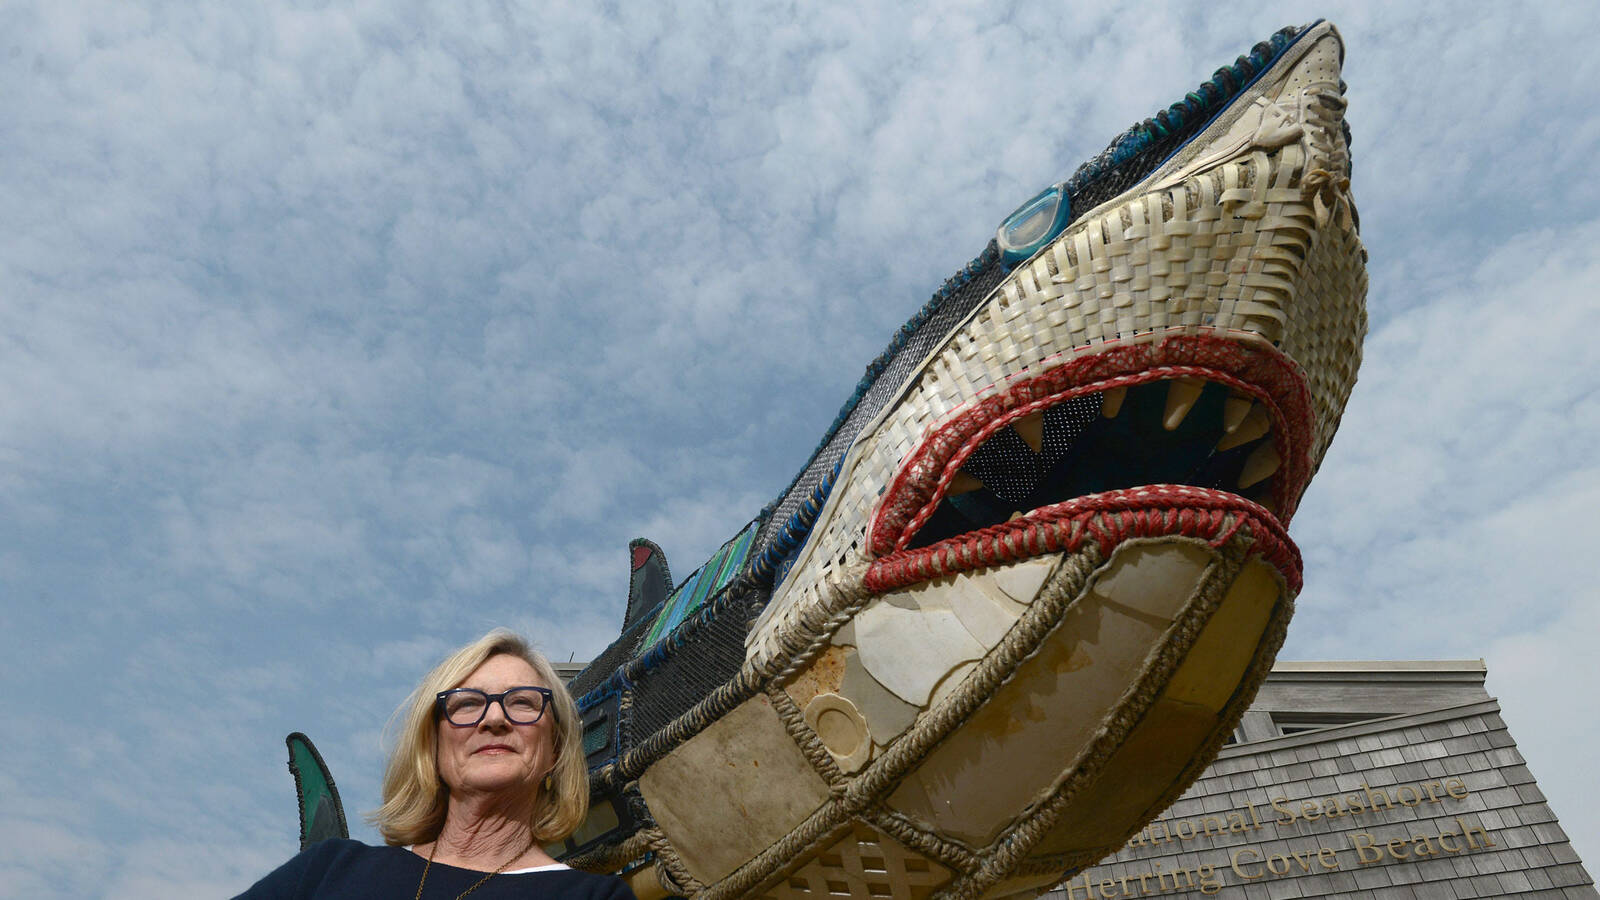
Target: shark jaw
[1222,421]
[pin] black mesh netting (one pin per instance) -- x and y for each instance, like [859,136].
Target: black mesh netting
[707,651]
[610,659]
[905,360]
[1094,183]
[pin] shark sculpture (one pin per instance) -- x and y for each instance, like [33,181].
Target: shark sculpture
[1036,569]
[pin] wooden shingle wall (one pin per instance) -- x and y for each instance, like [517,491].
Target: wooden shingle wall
[1304,815]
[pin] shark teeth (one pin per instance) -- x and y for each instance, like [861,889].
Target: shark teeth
[1234,411]
[1181,396]
[1255,425]
[963,484]
[1181,430]
[1111,401]
[1031,430]
[1259,465]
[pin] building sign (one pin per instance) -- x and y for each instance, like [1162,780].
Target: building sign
[1446,834]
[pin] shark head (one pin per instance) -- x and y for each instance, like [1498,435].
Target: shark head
[1035,570]
[1062,497]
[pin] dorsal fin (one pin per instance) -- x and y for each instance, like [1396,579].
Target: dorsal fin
[321,813]
[651,581]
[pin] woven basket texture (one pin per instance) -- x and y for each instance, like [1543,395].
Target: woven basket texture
[1243,267]
[1241,248]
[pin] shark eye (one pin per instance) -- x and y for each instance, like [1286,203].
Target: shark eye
[1034,224]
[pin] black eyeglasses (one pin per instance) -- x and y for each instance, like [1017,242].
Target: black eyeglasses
[465,707]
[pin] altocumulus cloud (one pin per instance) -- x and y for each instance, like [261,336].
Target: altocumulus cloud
[334,336]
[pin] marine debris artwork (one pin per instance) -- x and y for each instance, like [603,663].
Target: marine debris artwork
[1037,568]
[321,813]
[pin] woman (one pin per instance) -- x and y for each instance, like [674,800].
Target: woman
[488,768]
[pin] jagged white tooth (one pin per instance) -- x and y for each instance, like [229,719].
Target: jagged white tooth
[1254,425]
[1260,465]
[962,484]
[1111,401]
[1234,409]
[1181,395]
[1016,515]
[1031,430]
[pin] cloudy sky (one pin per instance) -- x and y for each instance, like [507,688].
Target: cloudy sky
[334,334]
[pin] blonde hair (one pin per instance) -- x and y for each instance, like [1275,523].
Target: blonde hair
[414,798]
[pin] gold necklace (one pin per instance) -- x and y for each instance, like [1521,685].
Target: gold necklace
[478,884]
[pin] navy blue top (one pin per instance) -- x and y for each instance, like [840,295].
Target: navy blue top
[350,870]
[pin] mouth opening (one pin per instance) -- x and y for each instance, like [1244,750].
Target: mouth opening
[1187,431]
[1219,414]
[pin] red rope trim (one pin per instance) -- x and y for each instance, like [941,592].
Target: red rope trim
[1107,519]
[1254,369]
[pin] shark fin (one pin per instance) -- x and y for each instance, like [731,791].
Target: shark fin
[650,582]
[321,813]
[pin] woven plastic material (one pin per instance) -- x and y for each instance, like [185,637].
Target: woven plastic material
[1133,155]
[1100,447]
[610,660]
[929,327]
[1239,248]
[706,581]
[705,653]
[649,629]
[1123,164]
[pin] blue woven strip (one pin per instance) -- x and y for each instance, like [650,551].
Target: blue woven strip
[795,530]
[735,558]
[672,613]
[990,254]
[954,283]
[702,583]
[1203,102]
[1200,104]
[622,679]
